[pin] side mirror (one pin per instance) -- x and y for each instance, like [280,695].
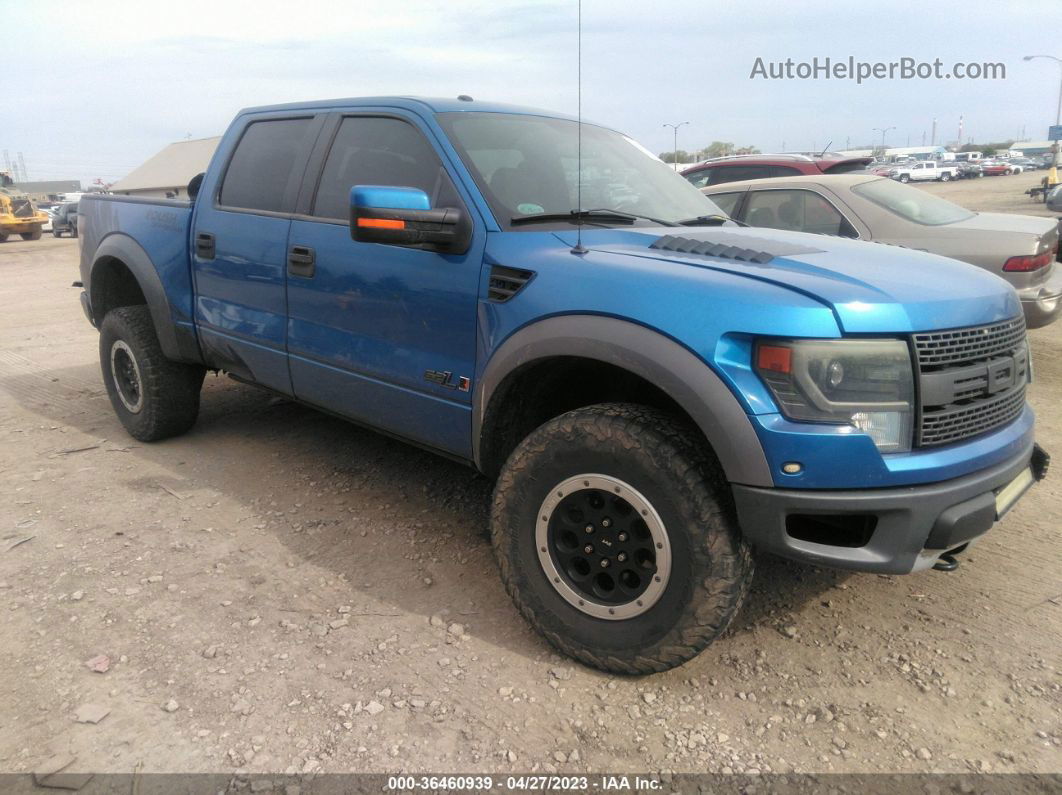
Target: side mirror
[403,217]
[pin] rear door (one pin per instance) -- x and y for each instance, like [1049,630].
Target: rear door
[383,334]
[239,248]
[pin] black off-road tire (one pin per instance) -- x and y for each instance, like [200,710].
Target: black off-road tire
[31,235]
[711,564]
[3,238]
[167,391]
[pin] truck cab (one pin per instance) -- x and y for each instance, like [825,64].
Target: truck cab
[654,390]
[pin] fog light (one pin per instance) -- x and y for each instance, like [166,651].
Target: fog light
[792,468]
[890,430]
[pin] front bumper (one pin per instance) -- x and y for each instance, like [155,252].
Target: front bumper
[889,531]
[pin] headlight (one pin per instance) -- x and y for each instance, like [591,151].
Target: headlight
[864,383]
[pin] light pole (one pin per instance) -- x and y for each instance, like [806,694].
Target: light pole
[883,131]
[1058,111]
[674,128]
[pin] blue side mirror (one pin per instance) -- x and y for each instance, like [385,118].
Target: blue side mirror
[403,217]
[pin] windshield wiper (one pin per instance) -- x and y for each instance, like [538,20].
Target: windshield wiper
[710,220]
[599,215]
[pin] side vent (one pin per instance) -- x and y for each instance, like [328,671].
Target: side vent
[506,282]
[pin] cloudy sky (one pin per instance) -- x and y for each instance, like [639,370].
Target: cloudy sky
[92,89]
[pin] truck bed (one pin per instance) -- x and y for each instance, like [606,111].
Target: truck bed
[157,230]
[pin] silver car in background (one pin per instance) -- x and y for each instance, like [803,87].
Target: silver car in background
[1023,249]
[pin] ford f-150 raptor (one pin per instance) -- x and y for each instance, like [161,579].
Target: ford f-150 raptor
[655,390]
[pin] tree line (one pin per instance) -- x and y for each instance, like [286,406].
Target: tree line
[714,149]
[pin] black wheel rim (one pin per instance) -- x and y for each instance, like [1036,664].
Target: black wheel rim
[603,546]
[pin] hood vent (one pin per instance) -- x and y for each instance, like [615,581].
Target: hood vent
[728,246]
[506,282]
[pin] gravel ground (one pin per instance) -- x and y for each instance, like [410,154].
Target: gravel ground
[279,591]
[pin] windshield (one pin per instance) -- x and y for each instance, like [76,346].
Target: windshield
[914,204]
[527,165]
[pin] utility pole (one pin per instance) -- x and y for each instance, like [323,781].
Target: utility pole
[883,131]
[675,129]
[933,137]
[22,168]
[1053,176]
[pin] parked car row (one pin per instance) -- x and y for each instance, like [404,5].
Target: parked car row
[1023,249]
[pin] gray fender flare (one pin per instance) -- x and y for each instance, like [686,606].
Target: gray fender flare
[133,256]
[650,355]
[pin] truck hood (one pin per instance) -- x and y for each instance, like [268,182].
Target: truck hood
[871,287]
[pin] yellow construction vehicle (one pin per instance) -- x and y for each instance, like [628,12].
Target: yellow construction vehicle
[18,214]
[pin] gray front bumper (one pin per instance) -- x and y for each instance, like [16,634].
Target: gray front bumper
[912,527]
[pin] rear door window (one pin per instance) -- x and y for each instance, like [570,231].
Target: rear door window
[722,174]
[266,168]
[797,211]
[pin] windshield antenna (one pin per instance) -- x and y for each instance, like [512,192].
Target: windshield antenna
[579,132]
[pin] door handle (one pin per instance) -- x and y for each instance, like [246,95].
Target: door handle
[204,245]
[301,262]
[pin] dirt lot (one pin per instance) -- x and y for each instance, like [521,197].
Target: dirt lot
[1003,194]
[281,591]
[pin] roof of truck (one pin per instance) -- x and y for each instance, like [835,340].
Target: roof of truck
[433,104]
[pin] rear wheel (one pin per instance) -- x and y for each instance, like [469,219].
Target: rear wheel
[617,538]
[154,397]
[56,233]
[945,177]
[34,235]
[3,237]
[904,178]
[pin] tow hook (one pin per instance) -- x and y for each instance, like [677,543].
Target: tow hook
[946,563]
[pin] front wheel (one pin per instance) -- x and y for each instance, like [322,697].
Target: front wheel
[34,235]
[617,538]
[3,237]
[56,233]
[904,178]
[945,177]
[154,397]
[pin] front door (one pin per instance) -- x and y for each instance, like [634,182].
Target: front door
[380,333]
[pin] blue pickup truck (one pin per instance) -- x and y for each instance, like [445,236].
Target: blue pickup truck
[656,390]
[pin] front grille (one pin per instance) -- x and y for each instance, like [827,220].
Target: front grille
[953,424]
[938,349]
[987,391]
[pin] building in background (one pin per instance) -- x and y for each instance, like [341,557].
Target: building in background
[50,190]
[167,174]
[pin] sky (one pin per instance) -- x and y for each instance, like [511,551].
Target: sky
[94,88]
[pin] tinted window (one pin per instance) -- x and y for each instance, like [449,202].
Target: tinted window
[737,173]
[797,211]
[262,167]
[699,178]
[377,151]
[785,171]
[727,202]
